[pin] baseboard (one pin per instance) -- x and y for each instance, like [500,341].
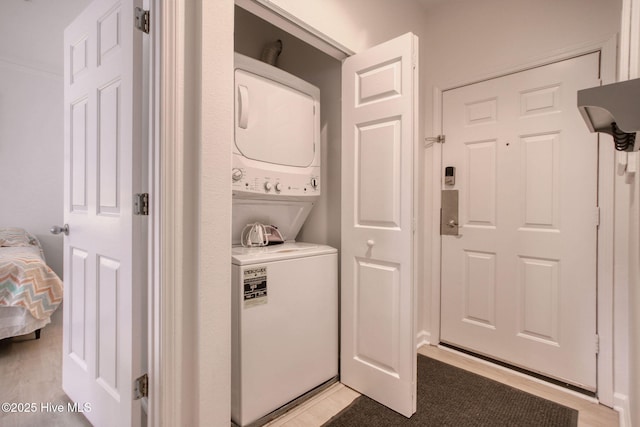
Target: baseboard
[621,405]
[423,338]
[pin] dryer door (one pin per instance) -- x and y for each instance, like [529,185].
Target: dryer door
[274,122]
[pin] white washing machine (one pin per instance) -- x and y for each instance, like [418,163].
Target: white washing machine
[284,325]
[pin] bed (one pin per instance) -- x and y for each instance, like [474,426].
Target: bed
[30,292]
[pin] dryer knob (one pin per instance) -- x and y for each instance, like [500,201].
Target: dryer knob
[236,174]
[267,186]
[278,187]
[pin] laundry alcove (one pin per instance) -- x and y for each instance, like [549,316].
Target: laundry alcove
[369,133]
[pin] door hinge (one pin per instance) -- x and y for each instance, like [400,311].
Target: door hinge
[597,216]
[597,342]
[141,204]
[142,20]
[141,387]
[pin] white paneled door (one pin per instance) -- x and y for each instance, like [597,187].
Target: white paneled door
[519,281]
[378,353]
[103,324]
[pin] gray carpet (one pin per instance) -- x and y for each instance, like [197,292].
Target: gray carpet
[449,396]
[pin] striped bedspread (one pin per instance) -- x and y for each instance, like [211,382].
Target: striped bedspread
[27,281]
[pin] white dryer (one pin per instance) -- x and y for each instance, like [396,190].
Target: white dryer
[276,154]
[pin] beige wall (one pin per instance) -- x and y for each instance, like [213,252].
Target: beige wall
[31,154]
[470,40]
[31,117]
[212,65]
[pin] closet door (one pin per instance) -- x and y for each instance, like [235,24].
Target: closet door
[379,136]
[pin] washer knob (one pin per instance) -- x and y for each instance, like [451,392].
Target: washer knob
[314,182]
[268,186]
[236,174]
[278,187]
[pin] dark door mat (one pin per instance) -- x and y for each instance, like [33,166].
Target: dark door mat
[450,396]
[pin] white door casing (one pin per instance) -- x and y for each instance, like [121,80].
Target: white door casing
[519,284]
[379,133]
[103,266]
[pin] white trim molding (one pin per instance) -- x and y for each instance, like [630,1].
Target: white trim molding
[630,69]
[423,338]
[284,20]
[630,40]
[436,243]
[169,284]
[622,406]
[606,233]
[153,268]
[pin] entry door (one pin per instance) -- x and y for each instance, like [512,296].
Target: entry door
[103,330]
[519,281]
[379,136]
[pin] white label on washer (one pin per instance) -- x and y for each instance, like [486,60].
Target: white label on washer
[255,286]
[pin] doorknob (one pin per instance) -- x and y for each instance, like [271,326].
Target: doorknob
[56,229]
[370,242]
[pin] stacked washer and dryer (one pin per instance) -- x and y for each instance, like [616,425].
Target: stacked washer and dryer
[285,295]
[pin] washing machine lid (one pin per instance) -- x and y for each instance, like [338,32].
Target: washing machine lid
[285,251]
[288,216]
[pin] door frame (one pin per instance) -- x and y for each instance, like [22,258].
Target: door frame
[172,333]
[606,178]
[289,23]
